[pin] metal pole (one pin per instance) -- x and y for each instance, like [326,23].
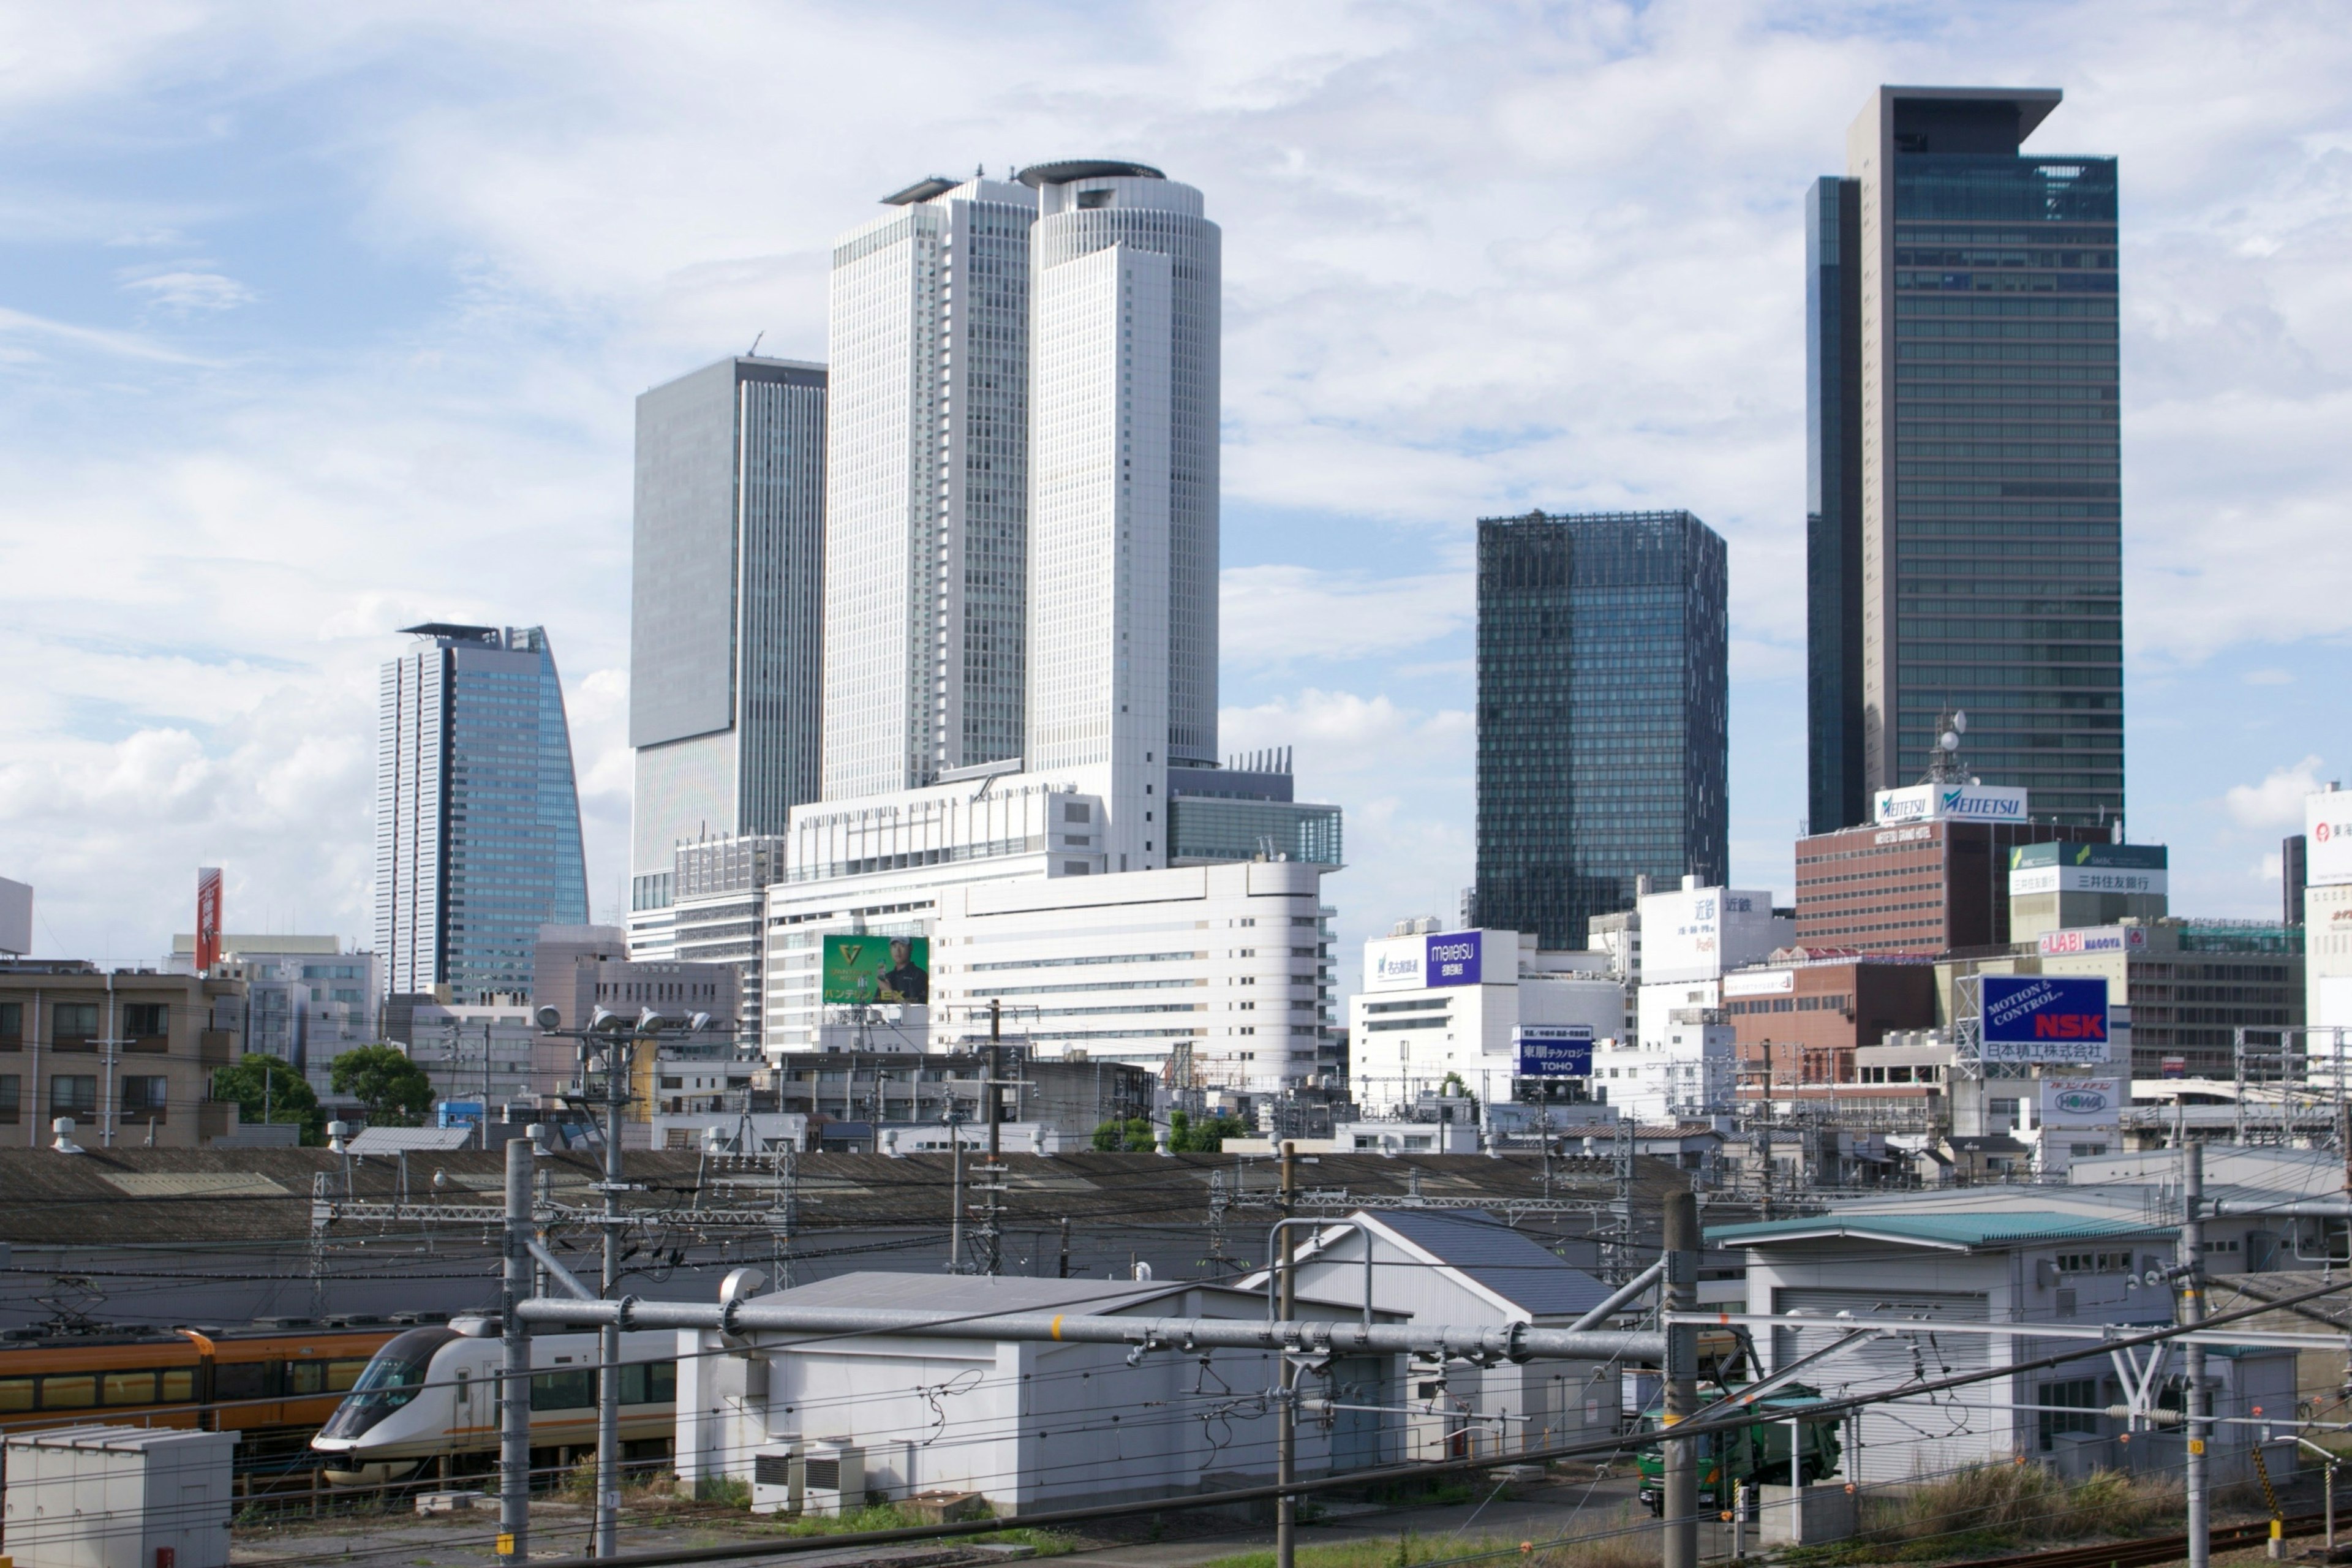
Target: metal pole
[1286,1434]
[994,1248]
[1680,1505]
[514,1409]
[2331,1509]
[2192,1311]
[617,1063]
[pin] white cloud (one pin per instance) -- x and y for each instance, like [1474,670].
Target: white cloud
[182,289]
[1281,615]
[2277,801]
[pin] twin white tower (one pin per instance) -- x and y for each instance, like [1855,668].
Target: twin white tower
[1021,491]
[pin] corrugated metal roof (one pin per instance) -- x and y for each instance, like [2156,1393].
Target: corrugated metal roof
[1502,1259]
[1951,1232]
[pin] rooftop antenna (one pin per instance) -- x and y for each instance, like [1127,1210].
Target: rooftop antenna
[753,351]
[1943,755]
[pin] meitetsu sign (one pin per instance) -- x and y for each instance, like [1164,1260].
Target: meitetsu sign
[1948,803]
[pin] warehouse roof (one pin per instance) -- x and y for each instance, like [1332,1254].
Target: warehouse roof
[1509,1263]
[1939,1232]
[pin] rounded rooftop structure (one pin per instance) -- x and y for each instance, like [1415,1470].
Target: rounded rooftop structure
[1038,175]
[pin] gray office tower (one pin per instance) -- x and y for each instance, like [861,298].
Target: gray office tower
[1964,512]
[476,814]
[1603,715]
[726,638]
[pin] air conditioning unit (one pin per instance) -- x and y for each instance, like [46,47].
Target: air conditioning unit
[833,1478]
[776,1478]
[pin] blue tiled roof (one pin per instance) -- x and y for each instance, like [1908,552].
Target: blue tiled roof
[1504,1260]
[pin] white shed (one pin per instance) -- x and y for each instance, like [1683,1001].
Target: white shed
[1463,1266]
[119,1496]
[1028,1425]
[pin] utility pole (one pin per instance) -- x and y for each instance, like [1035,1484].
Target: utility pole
[514,1406]
[952,1114]
[991,1239]
[1286,1432]
[2192,1311]
[619,1053]
[1680,1292]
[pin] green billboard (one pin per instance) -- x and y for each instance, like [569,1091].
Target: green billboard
[861,970]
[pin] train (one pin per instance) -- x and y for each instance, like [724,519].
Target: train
[273,1386]
[430,1398]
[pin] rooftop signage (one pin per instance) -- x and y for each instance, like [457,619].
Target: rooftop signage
[2042,1018]
[1948,803]
[2093,939]
[2327,836]
[1418,963]
[1554,1050]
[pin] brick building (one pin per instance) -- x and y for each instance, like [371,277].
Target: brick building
[1920,887]
[1801,1021]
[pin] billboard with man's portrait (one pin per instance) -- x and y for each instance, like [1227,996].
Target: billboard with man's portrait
[862,970]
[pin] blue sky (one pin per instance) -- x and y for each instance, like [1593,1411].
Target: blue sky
[317,320]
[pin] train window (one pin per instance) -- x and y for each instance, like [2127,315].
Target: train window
[243,1380]
[129,1387]
[573,1390]
[75,1392]
[15,1393]
[178,1386]
[305,1376]
[341,1374]
[649,1383]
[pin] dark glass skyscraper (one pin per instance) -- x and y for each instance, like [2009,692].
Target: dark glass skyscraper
[1602,714]
[727,623]
[476,813]
[1964,535]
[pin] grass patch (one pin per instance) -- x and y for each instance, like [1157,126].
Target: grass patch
[890,1516]
[1626,1541]
[1994,1508]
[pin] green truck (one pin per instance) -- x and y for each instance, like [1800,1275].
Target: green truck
[1756,1455]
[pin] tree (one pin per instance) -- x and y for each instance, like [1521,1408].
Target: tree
[268,1090]
[1186,1136]
[391,1089]
[1132,1136]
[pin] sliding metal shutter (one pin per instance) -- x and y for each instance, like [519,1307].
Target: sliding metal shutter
[1905,1437]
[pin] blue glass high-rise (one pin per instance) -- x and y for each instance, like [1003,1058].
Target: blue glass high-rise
[1603,715]
[478,812]
[1964,535]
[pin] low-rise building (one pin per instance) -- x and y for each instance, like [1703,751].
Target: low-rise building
[1803,1017]
[1457,1266]
[476,1054]
[127,1055]
[1691,938]
[1450,1004]
[307,998]
[2069,887]
[1071,1096]
[1027,1424]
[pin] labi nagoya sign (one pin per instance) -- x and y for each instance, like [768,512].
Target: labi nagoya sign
[2042,1018]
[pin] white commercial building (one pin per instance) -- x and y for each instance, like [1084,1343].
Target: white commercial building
[1437,1003]
[1691,938]
[2327,917]
[1227,967]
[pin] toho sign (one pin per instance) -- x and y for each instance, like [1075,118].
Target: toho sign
[2039,1018]
[1957,803]
[1554,1050]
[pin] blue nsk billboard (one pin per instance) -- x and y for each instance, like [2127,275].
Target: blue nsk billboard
[2042,1018]
[1554,1050]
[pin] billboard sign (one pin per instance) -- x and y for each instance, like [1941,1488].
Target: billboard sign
[2093,939]
[2082,1101]
[2327,836]
[1554,1050]
[2174,1067]
[2043,1018]
[1948,802]
[860,971]
[16,916]
[208,918]
[1453,959]
[1395,963]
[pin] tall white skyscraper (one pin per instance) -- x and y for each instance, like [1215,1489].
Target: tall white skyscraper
[926,488]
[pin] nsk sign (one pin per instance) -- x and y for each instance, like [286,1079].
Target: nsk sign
[2034,1011]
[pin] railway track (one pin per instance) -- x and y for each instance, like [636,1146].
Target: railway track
[2158,1548]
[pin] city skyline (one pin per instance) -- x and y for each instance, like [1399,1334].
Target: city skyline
[1345,582]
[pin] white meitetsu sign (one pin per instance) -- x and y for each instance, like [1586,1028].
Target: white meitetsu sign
[1955,802]
[2327,836]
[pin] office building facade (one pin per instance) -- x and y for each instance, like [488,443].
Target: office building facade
[477,814]
[727,589]
[927,495]
[1603,715]
[1964,529]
